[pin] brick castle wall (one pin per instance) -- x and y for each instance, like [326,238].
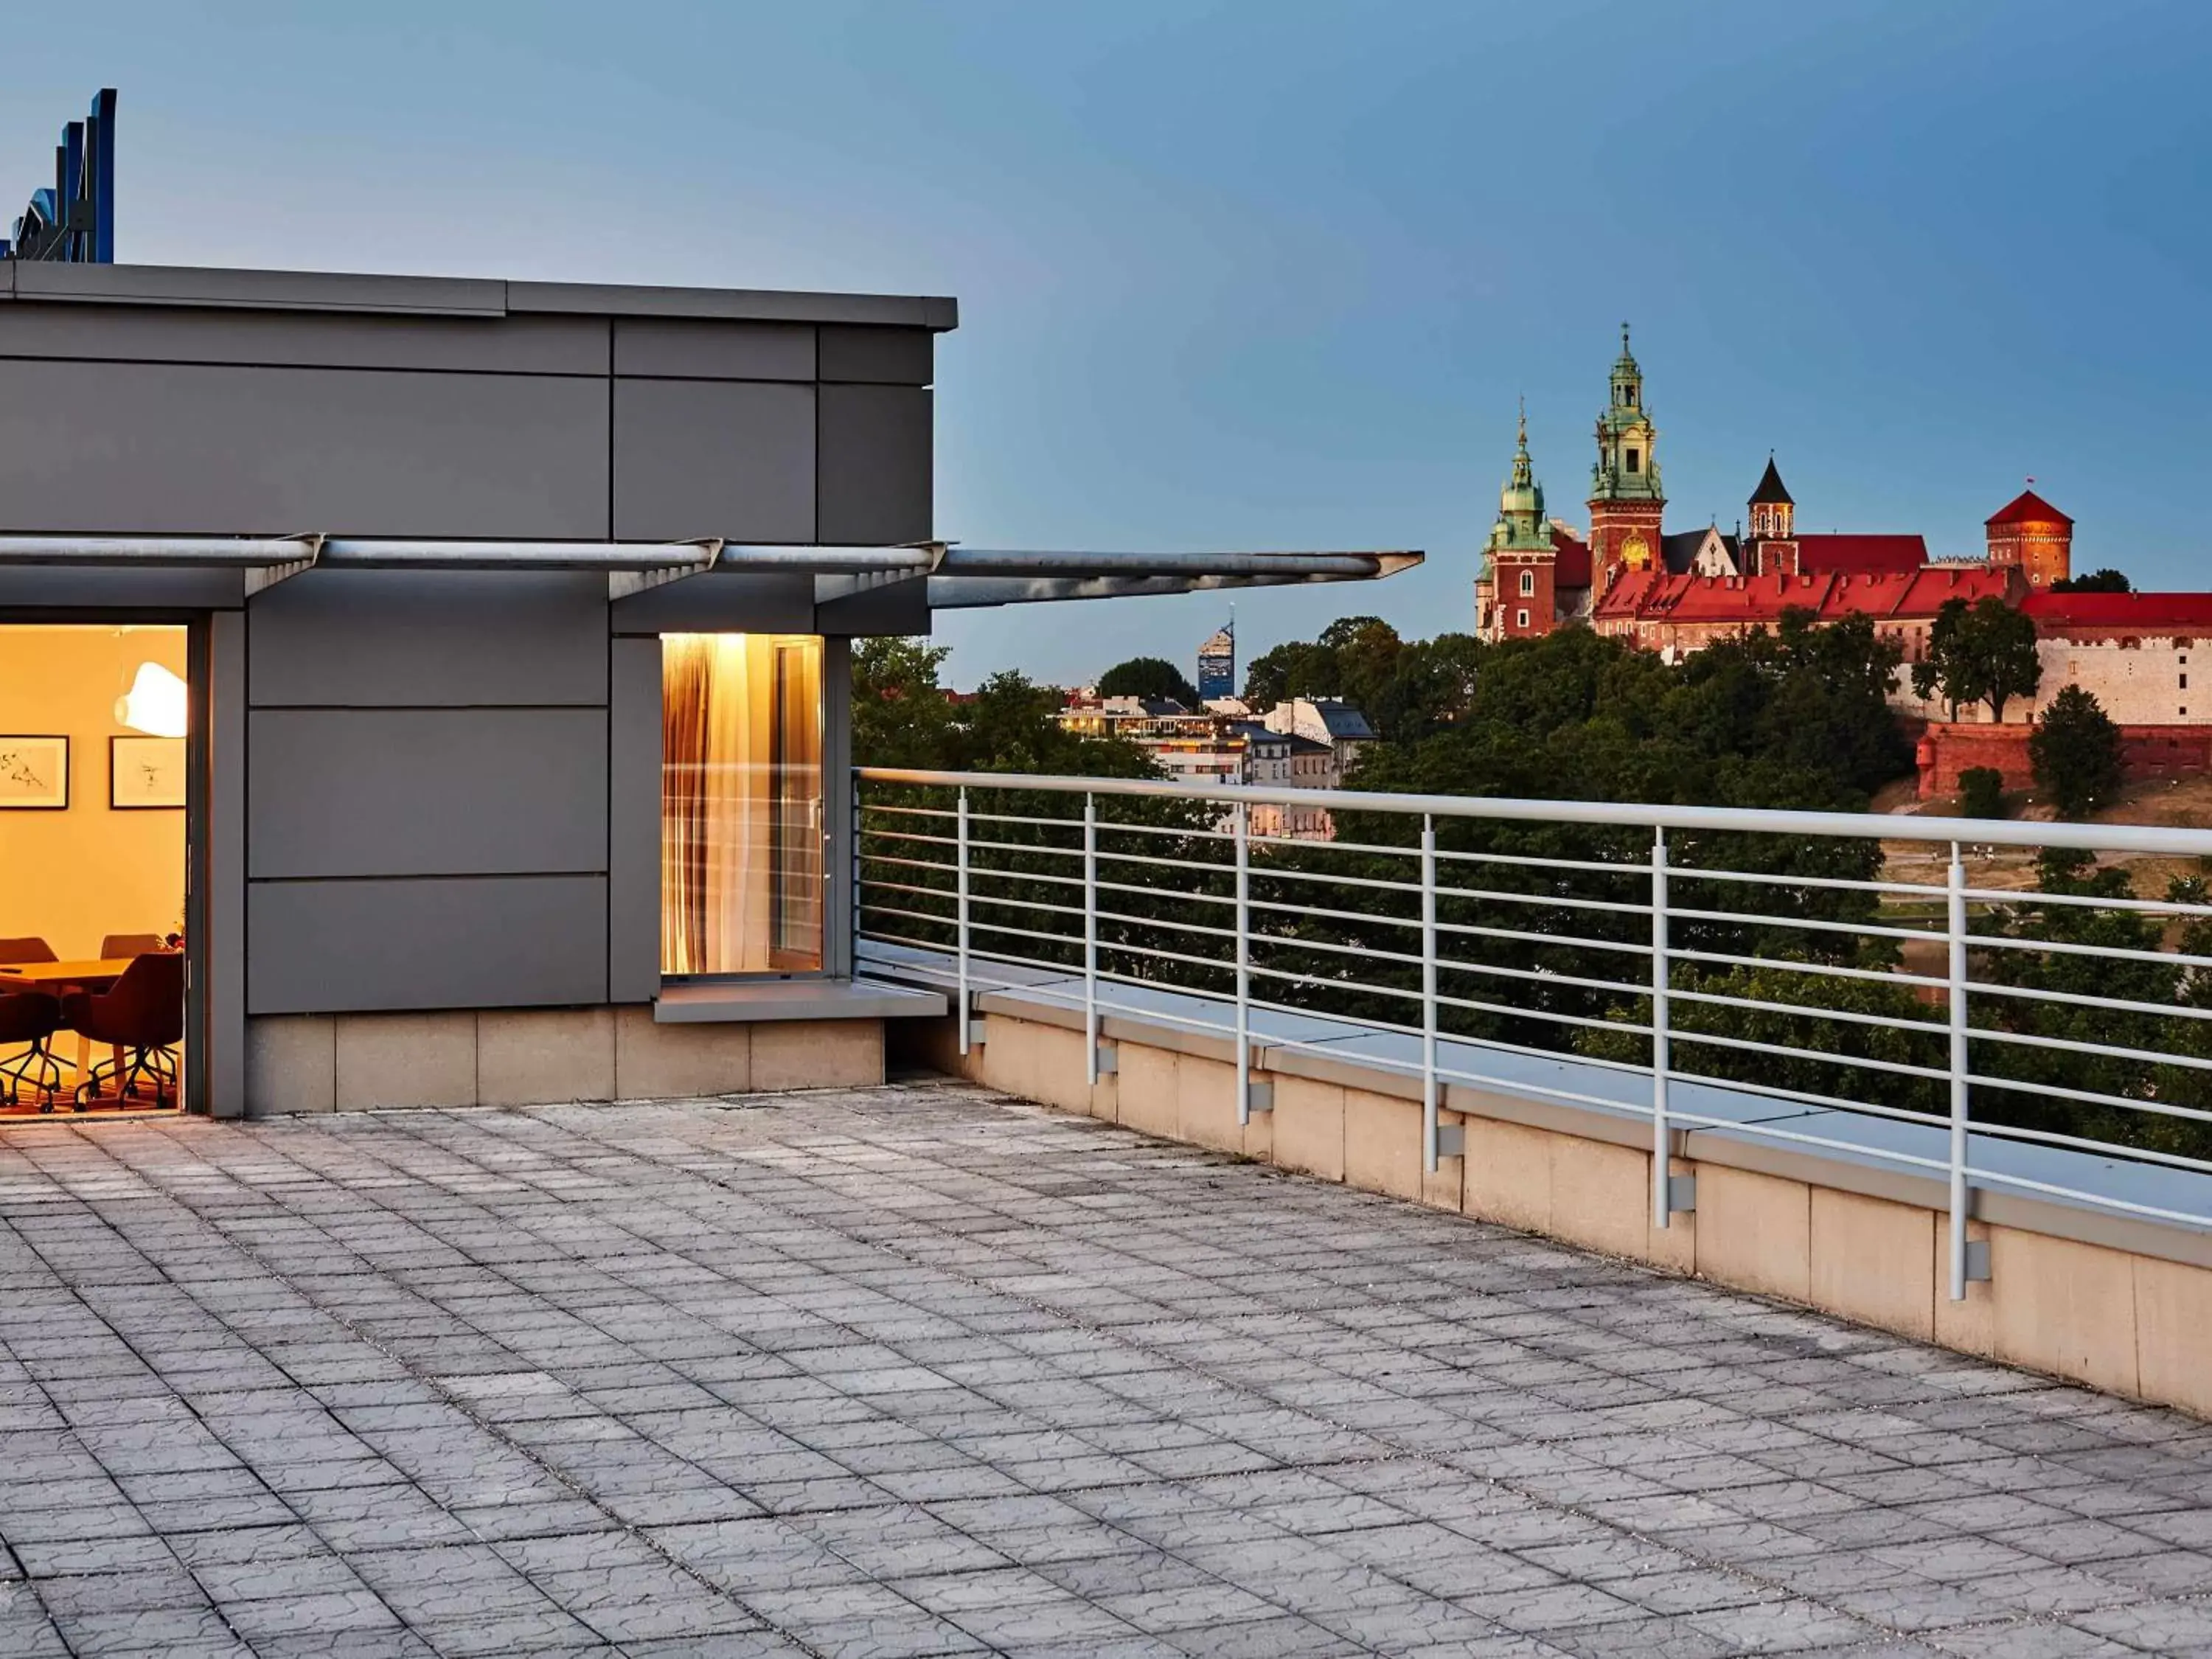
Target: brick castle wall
[2148,751]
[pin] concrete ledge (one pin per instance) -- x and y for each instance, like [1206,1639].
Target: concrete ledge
[2118,1302]
[542,1057]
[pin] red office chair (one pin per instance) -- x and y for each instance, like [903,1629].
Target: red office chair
[30,1017]
[143,1016]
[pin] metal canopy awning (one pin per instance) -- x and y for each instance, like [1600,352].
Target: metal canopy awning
[958,576]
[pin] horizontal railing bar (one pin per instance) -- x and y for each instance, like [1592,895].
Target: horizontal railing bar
[2103,1148]
[908,834]
[1107,826]
[2068,948]
[1699,1119]
[2082,999]
[2014,1086]
[1727,820]
[1846,1016]
[1565,941]
[1537,861]
[2099,1201]
[905,863]
[1841,883]
[1360,917]
[1858,929]
[867,806]
[977,846]
[1787,1095]
[1541,976]
[1790,965]
[1178,894]
[2092,902]
[1619,907]
[2096,1050]
[1588,1022]
[1896,1067]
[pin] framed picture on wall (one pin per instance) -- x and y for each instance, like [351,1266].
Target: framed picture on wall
[145,775]
[35,774]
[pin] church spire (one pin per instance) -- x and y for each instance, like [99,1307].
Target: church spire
[1773,513]
[1521,526]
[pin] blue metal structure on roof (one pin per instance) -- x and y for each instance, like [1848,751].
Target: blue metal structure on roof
[73,219]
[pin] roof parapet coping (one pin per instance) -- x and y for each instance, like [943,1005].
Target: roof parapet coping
[219,288]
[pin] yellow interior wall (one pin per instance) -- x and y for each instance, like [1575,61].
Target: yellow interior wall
[73,878]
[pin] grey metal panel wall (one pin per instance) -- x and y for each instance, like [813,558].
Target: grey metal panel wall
[680,349]
[483,941]
[634,755]
[83,589]
[221,906]
[439,791]
[189,448]
[428,796]
[511,345]
[373,638]
[890,356]
[733,458]
[837,802]
[720,602]
[874,471]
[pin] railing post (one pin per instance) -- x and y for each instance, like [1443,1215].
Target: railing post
[961,878]
[1662,1057]
[1955,933]
[1090,934]
[1243,968]
[1428,992]
[853,945]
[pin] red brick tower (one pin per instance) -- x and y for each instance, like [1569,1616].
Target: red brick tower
[2028,531]
[1626,504]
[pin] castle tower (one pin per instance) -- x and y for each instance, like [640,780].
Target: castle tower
[1626,503]
[1517,597]
[1773,538]
[2030,532]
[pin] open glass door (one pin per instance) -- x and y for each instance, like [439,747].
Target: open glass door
[93,782]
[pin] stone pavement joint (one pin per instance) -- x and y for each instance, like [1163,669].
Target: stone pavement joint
[924,1370]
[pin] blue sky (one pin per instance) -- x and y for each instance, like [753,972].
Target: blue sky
[1272,273]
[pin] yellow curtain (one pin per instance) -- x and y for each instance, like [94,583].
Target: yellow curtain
[722,746]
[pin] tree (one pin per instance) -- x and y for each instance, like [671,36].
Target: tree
[2107,580]
[1355,659]
[2075,752]
[1981,793]
[1984,653]
[1148,677]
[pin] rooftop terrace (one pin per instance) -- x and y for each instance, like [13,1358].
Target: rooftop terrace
[921,1370]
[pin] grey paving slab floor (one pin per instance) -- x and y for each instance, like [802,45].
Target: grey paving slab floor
[921,1369]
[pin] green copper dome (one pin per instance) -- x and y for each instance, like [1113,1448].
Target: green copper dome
[1522,524]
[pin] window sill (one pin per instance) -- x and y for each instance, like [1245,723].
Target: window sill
[732,1001]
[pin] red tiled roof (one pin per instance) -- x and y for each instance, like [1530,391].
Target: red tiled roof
[2027,507]
[1572,568]
[1860,554]
[1893,596]
[2133,613]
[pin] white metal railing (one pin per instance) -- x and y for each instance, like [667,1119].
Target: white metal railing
[2045,1030]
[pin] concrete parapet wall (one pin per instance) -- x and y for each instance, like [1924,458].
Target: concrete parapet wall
[541,1057]
[2119,1305]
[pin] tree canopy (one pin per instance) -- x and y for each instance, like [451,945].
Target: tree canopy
[2076,753]
[1984,653]
[902,717]
[1408,689]
[2107,580]
[1148,677]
